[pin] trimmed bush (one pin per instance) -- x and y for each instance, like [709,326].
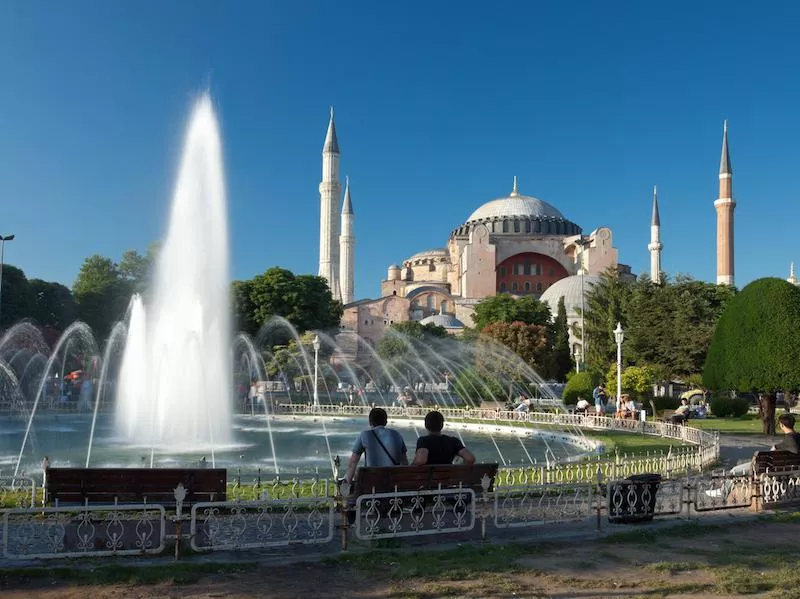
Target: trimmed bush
[578,385]
[724,407]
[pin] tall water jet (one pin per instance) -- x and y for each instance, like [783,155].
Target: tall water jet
[176,386]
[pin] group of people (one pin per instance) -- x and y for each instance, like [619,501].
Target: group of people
[384,446]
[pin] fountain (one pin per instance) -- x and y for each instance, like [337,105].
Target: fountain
[175,383]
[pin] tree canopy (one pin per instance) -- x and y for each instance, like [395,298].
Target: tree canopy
[756,344]
[507,308]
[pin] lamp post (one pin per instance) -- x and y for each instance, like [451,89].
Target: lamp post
[619,335]
[316,344]
[3,240]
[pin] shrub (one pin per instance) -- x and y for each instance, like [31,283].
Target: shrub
[578,385]
[723,407]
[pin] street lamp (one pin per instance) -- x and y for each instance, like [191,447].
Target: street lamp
[619,335]
[316,344]
[3,240]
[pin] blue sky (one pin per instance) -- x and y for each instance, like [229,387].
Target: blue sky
[438,106]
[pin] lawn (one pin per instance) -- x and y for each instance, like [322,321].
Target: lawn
[749,424]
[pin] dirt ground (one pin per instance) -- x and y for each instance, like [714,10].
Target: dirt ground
[754,559]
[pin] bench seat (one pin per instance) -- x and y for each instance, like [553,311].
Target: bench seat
[423,478]
[134,485]
[775,461]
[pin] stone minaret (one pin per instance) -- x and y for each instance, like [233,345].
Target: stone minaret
[792,279]
[655,246]
[329,193]
[347,245]
[724,206]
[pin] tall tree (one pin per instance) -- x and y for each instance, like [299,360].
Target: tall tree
[16,297]
[53,304]
[561,356]
[243,307]
[101,294]
[605,307]
[756,345]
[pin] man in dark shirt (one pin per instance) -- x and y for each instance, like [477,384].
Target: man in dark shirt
[791,439]
[436,448]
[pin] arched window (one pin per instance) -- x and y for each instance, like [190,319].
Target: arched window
[505,226]
[430,302]
[513,286]
[443,306]
[527,286]
[538,287]
[503,287]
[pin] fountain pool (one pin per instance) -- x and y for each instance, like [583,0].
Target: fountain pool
[300,445]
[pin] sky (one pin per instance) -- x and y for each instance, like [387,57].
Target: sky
[438,106]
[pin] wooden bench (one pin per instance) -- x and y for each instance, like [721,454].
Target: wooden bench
[666,416]
[134,485]
[774,461]
[422,478]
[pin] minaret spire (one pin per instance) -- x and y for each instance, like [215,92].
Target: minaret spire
[347,245]
[515,190]
[655,246]
[792,279]
[329,193]
[725,205]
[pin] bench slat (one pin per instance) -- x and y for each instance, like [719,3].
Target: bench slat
[415,478]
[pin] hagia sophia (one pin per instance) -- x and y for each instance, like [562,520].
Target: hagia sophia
[515,243]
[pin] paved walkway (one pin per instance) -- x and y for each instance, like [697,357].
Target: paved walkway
[735,449]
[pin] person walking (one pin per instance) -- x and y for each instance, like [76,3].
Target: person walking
[599,396]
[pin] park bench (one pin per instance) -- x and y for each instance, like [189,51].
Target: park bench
[666,416]
[422,478]
[134,485]
[775,461]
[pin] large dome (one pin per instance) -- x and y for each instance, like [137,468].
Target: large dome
[570,289]
[517,205]
[517,214]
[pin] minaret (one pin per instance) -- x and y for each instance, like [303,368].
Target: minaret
[792,279]
[347,245]
[329,193]
[655,246]
[724,206]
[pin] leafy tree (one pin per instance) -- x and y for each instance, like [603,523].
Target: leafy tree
[408,348]
[304,300]
[53,304]
[507,308]
[636,380]
[17,299]
[756,344]
[649,314]
[474,386]
[579,386]
[101,294]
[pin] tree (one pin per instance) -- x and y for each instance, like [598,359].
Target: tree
[304,300]
[560,362]
[605,307]
[408,351]
[17,298]
[756,345]
[53,304]
[507,308]
[243,307]
[579,386]
[101,294]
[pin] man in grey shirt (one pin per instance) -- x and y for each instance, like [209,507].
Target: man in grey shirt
[383,446]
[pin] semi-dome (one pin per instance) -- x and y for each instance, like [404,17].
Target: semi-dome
[447,321]
[434,253]
[570,289]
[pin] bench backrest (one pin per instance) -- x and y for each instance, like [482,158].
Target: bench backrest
[134,485]
[416,478]
[774,460]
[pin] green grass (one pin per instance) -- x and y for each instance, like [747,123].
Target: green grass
[749,424]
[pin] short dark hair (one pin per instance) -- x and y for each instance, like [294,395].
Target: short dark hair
[378,417]
[434,422]
[787,420]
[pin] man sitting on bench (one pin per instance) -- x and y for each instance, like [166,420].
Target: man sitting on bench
[436,448]
[383,446]
[681,415]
